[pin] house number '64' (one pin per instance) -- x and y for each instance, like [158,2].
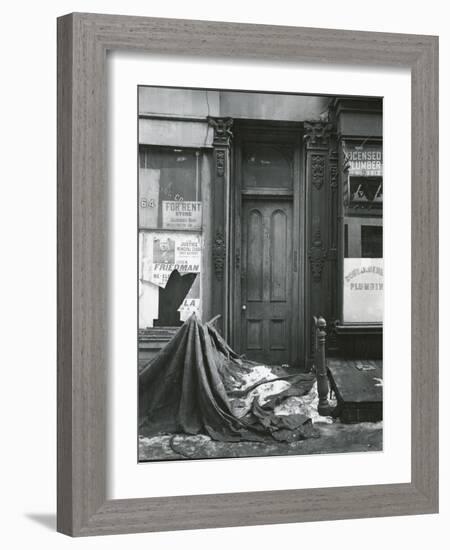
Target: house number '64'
[147,203]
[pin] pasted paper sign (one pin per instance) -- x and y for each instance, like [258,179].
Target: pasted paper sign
[363,290]
[182,214]
[167,252]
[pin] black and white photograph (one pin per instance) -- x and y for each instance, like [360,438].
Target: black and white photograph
[260,274]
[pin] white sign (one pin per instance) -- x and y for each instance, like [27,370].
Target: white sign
[167,252]
[363,290]
[191,304]
[365,160]
[188,307]
[182,214]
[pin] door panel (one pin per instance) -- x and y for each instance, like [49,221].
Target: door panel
[266,280]
[255,253]
[278,255]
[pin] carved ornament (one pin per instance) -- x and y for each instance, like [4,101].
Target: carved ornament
[222,130]
[317,170]
[317,134]
[317,255]
[219,254]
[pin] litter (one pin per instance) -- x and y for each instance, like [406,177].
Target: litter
[198,385]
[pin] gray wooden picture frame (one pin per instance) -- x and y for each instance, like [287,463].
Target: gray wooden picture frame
[83,41]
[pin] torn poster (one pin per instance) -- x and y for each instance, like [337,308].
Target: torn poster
[191,304]
[164,253]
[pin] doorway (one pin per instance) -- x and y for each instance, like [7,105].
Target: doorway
[266,281]
[268,228]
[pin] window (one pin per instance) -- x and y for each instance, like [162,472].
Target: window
[363,235]
[170,188]
[170,234]
[268,165]
[371,241]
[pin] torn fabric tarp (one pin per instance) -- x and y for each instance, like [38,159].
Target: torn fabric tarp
[189,387]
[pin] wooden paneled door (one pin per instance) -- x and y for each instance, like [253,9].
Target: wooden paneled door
[267,244]
[266,312]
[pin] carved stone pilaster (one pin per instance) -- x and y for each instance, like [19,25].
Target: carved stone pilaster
[317,170]
[333,208]
[317,255]
[221,249]
[333,163]
[322,181]
[219,254]
[220,163]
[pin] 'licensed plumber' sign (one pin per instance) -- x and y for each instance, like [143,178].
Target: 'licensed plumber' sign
[363,290]
[365,160]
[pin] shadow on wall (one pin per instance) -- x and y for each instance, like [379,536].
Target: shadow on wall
[46,520]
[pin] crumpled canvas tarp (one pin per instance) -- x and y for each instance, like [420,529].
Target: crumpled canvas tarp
[189,387]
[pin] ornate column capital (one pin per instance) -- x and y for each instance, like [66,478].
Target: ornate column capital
[222,130]
[317,134]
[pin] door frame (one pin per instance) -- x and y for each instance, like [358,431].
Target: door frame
[263,132]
